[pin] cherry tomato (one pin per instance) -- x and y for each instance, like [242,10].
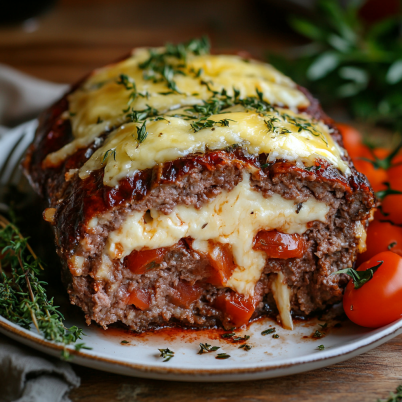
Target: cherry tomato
[140,298]
[186,294]
[378,301]
[391,209]
[376,177]
[352,139]
[237,308]
[380,236]
[280,245]
[139,262]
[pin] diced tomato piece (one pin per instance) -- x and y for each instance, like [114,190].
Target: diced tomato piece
[221,260]
[141,261]
[140,298]
[186,294]
[280,245]
[237,308]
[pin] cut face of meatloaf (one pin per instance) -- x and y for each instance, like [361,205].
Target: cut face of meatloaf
[197,190]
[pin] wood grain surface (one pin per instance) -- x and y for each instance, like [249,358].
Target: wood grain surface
[79,35]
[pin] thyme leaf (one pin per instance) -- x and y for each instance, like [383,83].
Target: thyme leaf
[167,354]
[222,356]
[142,133]
[206,348]
[109,152]
[268,331]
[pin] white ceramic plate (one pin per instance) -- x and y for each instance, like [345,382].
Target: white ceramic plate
[293,352]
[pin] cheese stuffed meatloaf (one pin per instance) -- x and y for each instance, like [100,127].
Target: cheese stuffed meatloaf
[197,190]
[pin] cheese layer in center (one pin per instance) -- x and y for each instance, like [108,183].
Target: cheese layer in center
[233,217]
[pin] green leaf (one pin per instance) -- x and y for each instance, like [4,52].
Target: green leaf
[360,278]
[394,73]
[355,74]
[307,28]
[142,133]
[323,65]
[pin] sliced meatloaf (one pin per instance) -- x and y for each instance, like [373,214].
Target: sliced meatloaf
[197,190]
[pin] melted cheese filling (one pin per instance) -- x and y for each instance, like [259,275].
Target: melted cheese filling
[233,217]
[100,105]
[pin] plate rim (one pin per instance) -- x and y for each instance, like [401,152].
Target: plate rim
[391,330]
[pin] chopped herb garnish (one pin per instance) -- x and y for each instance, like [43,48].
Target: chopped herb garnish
[139,115]
[206,348]
[142,133]
[129,84]
[222,356]
[323,326]
[99,120]
[320,347]
[317,334]
[268,331]
[109,152]
[72,114]
[230,335]
[162,66]
[224,122]
[265,165]
[360,277]
[124,342]
[167,354]
[241,338]
[23,299]
[275,336]
[246,347]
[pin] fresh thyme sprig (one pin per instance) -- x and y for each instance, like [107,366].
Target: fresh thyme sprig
[23,299]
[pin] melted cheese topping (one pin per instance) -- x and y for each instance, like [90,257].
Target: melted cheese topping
[233,217]
[100,105]
[174,137]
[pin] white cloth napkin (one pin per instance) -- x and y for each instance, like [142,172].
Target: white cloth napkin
[27,375]
[23,97]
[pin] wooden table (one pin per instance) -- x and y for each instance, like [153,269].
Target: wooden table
[78,36]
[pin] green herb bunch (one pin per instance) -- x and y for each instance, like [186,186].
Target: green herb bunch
[23,298]
[350,60]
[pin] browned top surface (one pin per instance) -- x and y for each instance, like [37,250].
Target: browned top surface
[81,35]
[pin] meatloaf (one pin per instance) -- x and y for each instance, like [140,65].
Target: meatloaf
[197,190]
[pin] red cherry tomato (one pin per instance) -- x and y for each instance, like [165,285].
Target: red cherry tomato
[280,245]
[379,301]
[376,177]
[380,236]
[391,209]
[352,139]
